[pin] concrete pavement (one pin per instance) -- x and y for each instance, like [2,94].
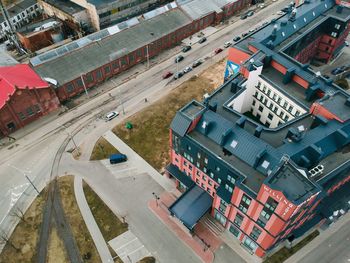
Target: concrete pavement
[90,222]
[332,245]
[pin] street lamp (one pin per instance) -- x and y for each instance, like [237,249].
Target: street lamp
[71,138]
[156,197]
[26,176]
[119,95]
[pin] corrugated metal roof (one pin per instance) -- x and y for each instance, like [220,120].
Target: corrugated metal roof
[94,55]
[200,8]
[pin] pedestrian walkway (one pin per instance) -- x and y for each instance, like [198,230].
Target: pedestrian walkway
[203,242]
[129,248]
[137,161]
[90,222]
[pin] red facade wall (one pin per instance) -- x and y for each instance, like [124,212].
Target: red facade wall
[25,106]
[317,109]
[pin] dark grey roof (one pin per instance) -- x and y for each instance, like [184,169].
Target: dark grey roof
[180,124]
[338,104]
[294,185]
[71,65]
[191,206]
[66,6]
[18,8]
[174,171]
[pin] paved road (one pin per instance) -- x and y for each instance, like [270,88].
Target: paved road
[332,245]
[35,151]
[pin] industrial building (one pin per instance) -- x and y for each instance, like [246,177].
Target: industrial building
[267,153]
[91,60]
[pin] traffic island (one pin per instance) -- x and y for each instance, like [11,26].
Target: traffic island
[102,150]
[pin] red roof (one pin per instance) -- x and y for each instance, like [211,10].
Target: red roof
[20,76]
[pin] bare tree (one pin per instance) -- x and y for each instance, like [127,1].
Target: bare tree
[19,214]
[5,239]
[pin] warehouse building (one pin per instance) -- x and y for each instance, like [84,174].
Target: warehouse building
[267,153]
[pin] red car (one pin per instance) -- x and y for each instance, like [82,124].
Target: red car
[218,50]
[167,74]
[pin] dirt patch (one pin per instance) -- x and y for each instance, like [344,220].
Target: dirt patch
[21,246]
[81,234]
[148,260]
[102,150]
[149,136]
[56,250]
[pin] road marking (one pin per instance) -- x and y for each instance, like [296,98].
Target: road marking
[127,243]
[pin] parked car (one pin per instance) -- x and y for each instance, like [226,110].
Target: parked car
[251,30]
[265,23]
[197,63]
[237,38]
[187,69]
[167,74]
[285,9]
[117,158]
[346,43]
[179,58]
[218,50]
[178,75]
[111,115]
[244,34]
[250,13]
[262,6]
[202,40]
[227,44]
[280,13]
[186,48]
[244,16]
[336,71]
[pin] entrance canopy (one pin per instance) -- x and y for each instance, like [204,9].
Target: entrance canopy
[191,206]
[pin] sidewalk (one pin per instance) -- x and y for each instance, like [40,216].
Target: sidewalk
[323,236]
[160,209]
[90,222]
[138,162]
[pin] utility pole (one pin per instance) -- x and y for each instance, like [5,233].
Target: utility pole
[26,176]
[12,33]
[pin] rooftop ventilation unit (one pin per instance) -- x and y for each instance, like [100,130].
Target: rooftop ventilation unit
[317,170]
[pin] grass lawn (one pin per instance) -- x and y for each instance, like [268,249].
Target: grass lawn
[75,219]
[284,253]
[26,234]
[148,260]
[149,136]
[102,150]
[109,224]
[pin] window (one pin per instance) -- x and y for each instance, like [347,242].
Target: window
[217,168]
[259,84]
[279,100]
[98,74]
[286,118]
[89,78]
[203,186]
[107,69]
[208,190]
[264,89]
[198,173]
[274,96]
[290,108]
[37,108]
[254,102]
[245,202]
[204,178]
[334,34]
[69,87]
[337,26]
[238,219]
[115,65]
[210,182]
[188,147]
[197,164]
[190,167]
[228,188]
[270,116]
[261,108]
[197,181]
[268,92]
[123,61]
[79,83]
[30,111]
[205,169]
[255,233]
[285,104]
[21,115]
[223,206]
[211,174]
[297,113]
[206,160]
[185,163]
[199,155]
[234,231]
[231,179]
[219,180]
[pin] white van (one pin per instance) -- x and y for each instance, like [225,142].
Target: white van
[111,115]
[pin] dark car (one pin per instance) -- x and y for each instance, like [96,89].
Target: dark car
[237,38]
[250,13]
[218,50]
[202,40]
[186,48]
[244,16]
[178,75]
[285,9]
[179,58]
[117,158]
[167,74]
[196,63]
[336,71]
[244,34]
